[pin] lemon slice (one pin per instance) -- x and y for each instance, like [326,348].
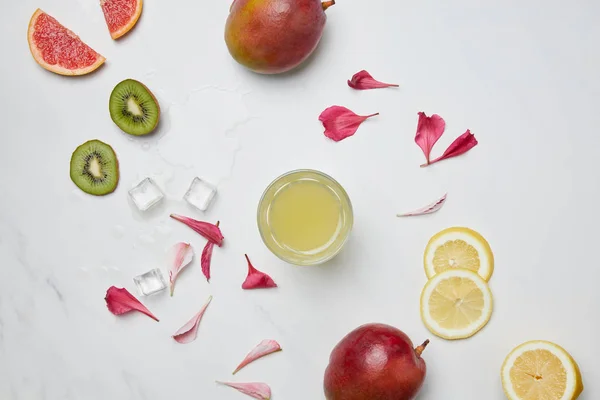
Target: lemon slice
[456,304]
[540,370]
[458,247]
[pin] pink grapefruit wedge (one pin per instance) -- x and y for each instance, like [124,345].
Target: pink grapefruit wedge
[59,50]
[121,15]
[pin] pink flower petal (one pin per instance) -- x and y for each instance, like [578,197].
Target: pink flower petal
[181,256]
[264,348]
[257,279]
[339,122]
[428,209]
[429,130]
[208,230]
[461,145]
[258,390]
[120,301]
[362,80]
[206,258]
[187,333]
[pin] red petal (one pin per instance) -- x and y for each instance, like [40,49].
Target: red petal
[208,230]
[120,301]
[188,332]
[258,390]
[362,80]
[429,130]
[264,348]
[461,145]
[205,259]
[339,122]
[257,279]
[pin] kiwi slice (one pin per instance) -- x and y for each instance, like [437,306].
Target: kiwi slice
[134,108]
[95,168]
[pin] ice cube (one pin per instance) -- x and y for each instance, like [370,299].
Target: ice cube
[150,282]
[200,194]
[146,194]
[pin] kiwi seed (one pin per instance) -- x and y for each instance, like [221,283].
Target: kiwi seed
[134,108]
[95,168]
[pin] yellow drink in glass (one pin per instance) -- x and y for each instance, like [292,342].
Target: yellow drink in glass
[305,217]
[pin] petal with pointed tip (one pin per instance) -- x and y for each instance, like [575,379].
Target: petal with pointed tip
[340,122]
[181,256]
[362,80]
[120,301]
[209,231]
[264,348]
[206,258]
[461,145]
[257,390]
[188,332]
[428,209]
[257,279]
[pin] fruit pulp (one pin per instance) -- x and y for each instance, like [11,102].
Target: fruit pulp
[535,366]
[540,369]
[58,49]
[456,304]
[305,217]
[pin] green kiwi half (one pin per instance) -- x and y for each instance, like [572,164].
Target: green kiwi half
[134,108]
[95,168]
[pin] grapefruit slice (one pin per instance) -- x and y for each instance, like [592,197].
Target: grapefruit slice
[59,50]
[121,15]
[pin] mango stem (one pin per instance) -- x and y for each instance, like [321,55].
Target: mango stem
[419,349]
[327,4]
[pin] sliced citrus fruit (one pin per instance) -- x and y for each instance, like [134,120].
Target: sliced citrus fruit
[59,50]
[121,15]
[456,304]
[541,370]
[458,247]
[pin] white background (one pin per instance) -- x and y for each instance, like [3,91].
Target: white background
[522,75]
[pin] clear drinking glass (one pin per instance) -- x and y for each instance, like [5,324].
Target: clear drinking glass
[305,217]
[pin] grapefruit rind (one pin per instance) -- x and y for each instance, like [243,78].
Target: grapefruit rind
[132,22]
[57,69]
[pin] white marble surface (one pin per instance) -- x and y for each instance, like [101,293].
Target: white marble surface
[523,76]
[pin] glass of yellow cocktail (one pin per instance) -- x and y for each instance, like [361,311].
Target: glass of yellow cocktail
[305,217]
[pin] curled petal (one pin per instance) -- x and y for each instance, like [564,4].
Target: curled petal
[428,209]
[257,279]
[362,80]
[209,231]
[120,301]
[257,390]
[461,145]
[206,257]
[429,130]
[340,122]
[187,333]
[264,348]
[181,256]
